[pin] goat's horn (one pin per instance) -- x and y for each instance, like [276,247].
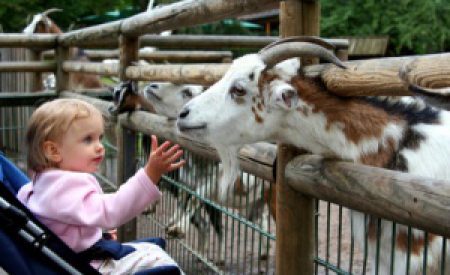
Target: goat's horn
[281,52]
[47,12]
[311,39]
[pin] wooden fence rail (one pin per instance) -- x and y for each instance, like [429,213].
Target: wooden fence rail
[159,56]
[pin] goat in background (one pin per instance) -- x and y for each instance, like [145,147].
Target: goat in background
[42,23]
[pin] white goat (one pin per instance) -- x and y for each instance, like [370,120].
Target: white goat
[253,102]
[247,198]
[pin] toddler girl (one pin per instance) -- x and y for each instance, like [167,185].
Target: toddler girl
[64,148]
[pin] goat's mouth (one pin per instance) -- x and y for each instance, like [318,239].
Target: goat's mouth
[183,127]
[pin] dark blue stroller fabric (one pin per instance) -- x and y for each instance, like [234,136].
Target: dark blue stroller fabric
[30,255]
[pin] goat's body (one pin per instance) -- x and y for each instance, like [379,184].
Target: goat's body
[405,135]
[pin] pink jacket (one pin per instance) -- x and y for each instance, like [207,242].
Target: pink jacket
[74,207]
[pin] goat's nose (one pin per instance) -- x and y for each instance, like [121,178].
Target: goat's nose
[184,113]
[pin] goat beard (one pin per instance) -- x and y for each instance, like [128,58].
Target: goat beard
[229,155]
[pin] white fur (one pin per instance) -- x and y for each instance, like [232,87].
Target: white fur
[32,26]
[168,98]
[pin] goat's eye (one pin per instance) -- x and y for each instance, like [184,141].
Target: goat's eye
[186,93]
[153,86]
[237,91]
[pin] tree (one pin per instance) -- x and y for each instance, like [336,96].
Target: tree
[414,26]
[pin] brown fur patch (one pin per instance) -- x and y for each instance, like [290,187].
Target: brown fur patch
[263,80]
[417,243]
[239,187]
[360,120]
[259,106]
[372,229]
[381,158]
[258,118]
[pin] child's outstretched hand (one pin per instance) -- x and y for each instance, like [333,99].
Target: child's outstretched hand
[162,159]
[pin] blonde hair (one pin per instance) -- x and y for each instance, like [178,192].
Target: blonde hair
[49,122]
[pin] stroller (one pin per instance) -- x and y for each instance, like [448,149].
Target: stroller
[29,247]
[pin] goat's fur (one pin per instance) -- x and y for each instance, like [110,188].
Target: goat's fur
[251,103]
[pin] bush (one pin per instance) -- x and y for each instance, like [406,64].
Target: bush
[413,26]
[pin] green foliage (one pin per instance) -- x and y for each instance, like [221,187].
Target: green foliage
[14,14]
[224,27]
[413,26]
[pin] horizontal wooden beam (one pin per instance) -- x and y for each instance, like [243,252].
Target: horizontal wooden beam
[202,74]
[18,40]
[184,13]
[219,41]
[430,72]
[159,56]
[417,201]
[378,77]
[91,67]
[28,66]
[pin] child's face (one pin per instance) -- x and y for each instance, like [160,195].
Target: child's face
[81,148]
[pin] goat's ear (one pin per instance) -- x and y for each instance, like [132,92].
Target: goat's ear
[286,97]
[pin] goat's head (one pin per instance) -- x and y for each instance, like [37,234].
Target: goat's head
[250,102]
[252,98]
[41,23]
[162,98]
[125,97]
[168,98]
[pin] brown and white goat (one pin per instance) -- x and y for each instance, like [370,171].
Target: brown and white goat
[42,23]
[255,101]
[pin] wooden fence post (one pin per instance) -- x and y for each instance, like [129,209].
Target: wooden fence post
[126,165]
[36,79]
[295,212]
[126,138]
[62,78]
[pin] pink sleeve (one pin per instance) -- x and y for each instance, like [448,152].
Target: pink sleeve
[79,201]
[24,192]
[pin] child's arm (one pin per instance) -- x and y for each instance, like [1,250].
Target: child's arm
[162,159]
